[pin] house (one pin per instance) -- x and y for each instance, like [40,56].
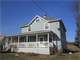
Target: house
[43,35]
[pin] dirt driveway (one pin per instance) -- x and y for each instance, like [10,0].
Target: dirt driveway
[22,56]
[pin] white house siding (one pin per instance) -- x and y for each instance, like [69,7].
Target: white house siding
[55,28]
[39,25]
[34,50]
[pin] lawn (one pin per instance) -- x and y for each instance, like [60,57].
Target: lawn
[22,56]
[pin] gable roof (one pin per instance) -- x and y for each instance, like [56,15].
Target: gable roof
[43,17]
[26,25]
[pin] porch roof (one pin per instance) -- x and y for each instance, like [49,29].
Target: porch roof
[35,32]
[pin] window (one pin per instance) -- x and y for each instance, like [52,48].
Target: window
[50,39]
[31,38]
[41,39]
[46,27]
[29,29]
[22,39]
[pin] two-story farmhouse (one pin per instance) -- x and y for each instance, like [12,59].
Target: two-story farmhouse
[43,35]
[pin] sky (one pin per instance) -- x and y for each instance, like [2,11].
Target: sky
[15,13]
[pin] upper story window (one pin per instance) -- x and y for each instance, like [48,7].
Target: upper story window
[46,26]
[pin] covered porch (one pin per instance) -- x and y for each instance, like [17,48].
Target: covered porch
[33,42]
[30,37]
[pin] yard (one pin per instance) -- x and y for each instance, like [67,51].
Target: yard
[22,56]
[28,56]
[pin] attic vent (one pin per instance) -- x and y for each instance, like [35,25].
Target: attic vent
[37,20]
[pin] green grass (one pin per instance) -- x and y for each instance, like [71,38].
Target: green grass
[22,56]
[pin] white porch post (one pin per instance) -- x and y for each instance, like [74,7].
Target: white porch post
[11,39]
[36,37]
[26,38]
[48,42]
[11,44]
[7,40]
[18,40]
[36,40]
[48,39]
